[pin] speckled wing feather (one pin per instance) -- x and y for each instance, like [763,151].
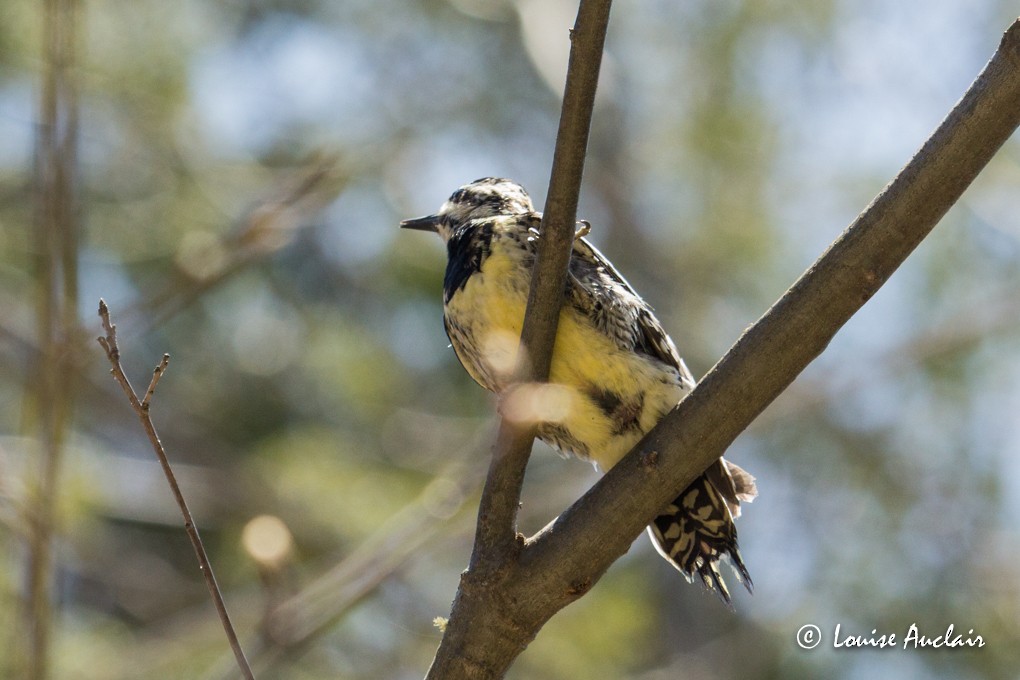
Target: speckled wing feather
[695,530]
[621,312]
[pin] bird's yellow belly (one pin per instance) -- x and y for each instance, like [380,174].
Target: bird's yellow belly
[603,398]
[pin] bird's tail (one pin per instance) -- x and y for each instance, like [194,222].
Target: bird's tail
[697,529]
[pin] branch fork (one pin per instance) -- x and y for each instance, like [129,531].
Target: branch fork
[514,585]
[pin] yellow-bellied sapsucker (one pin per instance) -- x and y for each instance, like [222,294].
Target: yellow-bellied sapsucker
[614,369]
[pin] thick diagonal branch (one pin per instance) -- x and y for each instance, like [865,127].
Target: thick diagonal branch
[565,559]
[600,527]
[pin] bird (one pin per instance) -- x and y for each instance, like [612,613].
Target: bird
[614,374]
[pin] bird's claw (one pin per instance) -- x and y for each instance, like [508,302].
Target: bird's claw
[583,229]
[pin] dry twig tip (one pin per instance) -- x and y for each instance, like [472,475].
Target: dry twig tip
[141,409]
[157,373]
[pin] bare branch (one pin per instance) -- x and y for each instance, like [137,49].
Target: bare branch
[157,373]
[495,540]
[766,359]
[50,387]
[269,225]
[141,408]
[493,620]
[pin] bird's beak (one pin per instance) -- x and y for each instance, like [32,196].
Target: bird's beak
[427,223]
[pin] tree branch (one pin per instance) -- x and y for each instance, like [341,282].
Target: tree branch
[496,545]
[495,540]
[269,225]
[600,527]
[496,618]
[50,389]
[141,408]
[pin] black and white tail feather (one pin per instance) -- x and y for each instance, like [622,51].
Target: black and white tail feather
[696,529]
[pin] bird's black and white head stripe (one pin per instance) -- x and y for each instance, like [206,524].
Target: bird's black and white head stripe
[483,198]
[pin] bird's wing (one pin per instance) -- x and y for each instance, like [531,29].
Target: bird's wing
[593,280]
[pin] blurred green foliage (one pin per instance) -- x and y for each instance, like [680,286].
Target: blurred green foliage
[244,165]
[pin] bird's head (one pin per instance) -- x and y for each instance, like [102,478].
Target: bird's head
[486,197]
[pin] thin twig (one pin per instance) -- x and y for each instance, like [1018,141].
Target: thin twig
[157,373]
[141,408]
[266,227]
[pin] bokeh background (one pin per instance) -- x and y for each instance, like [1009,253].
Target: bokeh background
[229,176]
